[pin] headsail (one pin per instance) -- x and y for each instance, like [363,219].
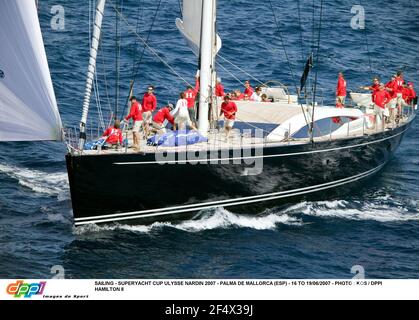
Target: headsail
[190,27]
[28,108]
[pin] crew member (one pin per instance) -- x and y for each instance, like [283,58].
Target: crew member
[149,106]
[256,96]
[381,99]
[236,95]
[219,89]
[229,110]
[113,135]
[248,91]
[136,114]
[161,116]
[341,91]
[409,94]
[190,96]
[398,101]
[399,82]
[182,119]
[373,88]
[391,87]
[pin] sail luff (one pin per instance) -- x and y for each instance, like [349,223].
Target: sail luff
[213,101]
[28,106]
[91,69]
[190,26]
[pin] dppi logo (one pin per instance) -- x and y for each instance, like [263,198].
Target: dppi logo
[19,289]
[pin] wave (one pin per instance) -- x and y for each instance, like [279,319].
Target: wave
[383,209]
[220,218]
[52,184]
[224,219]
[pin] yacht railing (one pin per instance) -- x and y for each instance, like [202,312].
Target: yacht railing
[241,138]
[308,96]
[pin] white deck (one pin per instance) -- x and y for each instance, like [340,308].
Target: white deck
[217,141]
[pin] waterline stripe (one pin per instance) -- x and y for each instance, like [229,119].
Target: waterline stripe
[234,202]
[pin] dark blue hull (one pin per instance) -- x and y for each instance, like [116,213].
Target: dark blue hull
[134,188]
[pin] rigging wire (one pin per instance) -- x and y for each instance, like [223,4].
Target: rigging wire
[92,6]
[180,8]
[301,29]
[137,68]
[282,41]
[135,71]
[367,45]
[287,57]
[90,25]
[105,78]
[98,103]
[153,51]
[117,58]
[230,73]
[317,64]
[137,28]
[242,70]
[310,78]
[313,34]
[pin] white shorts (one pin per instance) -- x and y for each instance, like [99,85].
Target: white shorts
[393,103]
[137,126]
[341,99]
[159,126]
[379,111]
[147,116]
[183,120]
[229,123]
[398,101]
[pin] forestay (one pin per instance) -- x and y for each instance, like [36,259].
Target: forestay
[28,108]
[190,27]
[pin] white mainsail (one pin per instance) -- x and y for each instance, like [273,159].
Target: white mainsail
[190,26]
[28,108]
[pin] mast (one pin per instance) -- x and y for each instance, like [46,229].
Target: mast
[91,70]
[207,59]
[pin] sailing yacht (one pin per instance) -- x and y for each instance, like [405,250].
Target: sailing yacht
[285,150]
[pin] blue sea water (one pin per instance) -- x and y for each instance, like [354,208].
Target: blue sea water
[376,227]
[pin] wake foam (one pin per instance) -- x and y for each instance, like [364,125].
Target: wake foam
[381,210]
[52,184]
[224,219]
[384,209]
[93,228]
[218,219]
